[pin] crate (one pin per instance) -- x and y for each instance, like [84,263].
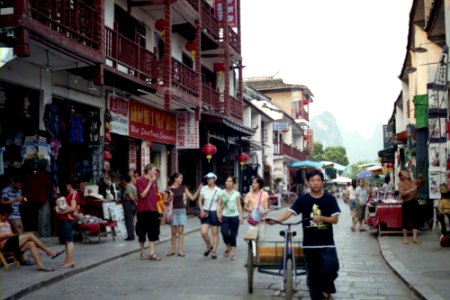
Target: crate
[273,251]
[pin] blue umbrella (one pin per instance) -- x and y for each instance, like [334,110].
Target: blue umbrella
[366,175]
[306,164]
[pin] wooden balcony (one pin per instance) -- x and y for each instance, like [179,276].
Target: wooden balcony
[234,40]
[130,58]
[285,149]
[210,100]
[300,114]
[72,18]
[209,21]
[235,108]
[194,4]
[184,78]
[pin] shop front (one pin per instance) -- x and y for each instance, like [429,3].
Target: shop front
[140,134]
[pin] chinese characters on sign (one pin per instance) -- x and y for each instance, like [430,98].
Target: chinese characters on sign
[231,12]
[310,140]
[133,155]
[151,124]
[118,108]
[187,131]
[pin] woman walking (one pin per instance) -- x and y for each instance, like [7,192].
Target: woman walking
[66,214]
[229,213]
[257,199]
[207,203]
[354,207]
[178,194]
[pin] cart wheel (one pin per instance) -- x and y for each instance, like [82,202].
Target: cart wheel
[250,267]
[289,284]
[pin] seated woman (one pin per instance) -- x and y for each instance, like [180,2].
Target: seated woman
[10,242]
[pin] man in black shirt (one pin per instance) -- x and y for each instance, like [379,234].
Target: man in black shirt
[321,259]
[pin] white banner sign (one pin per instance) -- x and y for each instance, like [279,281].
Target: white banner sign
[187,131]
[119,109]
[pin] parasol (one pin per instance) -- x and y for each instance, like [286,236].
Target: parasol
[306,164]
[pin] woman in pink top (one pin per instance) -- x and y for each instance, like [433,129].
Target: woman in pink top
[257,196]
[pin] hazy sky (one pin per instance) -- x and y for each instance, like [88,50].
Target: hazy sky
[349,53]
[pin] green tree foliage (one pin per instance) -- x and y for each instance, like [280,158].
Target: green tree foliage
[353,169]
[335,154]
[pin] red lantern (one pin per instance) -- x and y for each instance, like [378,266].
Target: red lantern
[209,150]
[219,68]
[242,158]
[389,166]
[190,46]
[305,102]
[159,25]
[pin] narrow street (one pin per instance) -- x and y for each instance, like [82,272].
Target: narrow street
[363,275]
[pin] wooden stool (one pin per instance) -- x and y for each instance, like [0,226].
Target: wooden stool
[5,256]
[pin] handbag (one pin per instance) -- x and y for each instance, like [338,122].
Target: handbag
[168,210]
[444,206]
[257,213]
[204,214]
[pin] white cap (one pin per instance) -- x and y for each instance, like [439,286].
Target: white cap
[211,175]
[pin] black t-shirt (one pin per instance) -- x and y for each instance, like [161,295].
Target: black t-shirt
[316,235]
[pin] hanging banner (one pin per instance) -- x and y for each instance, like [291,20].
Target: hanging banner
[187,131]
[151,124]
[231,12]
[118,107]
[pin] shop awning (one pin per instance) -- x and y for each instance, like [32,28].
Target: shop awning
[231,128]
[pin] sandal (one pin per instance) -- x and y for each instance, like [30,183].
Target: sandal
[65,266]
[170,254]
[181,254]
[233,257]
[143,256]
[417,242]
[213,256]
[226,252]
[208,250]
[353,228]
[45,269]
[406,242]
[154,257]
[58,253]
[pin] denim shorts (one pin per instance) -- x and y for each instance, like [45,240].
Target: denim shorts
[179,217]
[211,219]
[65,231]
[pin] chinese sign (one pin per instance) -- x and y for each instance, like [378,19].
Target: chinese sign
[388,132]
[310,140]
[280,126]
[132,154]
[187,131]
[231,12]
[118,108]
[152,124]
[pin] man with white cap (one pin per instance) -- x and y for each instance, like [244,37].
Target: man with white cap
[209,196]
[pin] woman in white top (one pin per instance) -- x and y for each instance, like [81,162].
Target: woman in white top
[207,203]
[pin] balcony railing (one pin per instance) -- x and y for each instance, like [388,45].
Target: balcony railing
[72,18]
[184,78]
[194,4]
[285,149]
[209,21]
[210,100]
[235,108]
[300,114]
[234,40]
[140,62]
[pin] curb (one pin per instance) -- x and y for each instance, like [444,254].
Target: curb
[412,281]
[74,272]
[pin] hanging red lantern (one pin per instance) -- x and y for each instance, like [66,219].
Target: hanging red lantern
[209,150]
[219,68]
[190,46]
[242,158]
[389,166]
[305,102]
[159,25]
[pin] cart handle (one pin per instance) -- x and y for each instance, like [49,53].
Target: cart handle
[273,221]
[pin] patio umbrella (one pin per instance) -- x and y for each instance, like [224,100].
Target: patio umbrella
[367,175]
[341,180]
[306,164]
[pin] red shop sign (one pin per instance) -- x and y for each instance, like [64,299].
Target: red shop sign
[152,124]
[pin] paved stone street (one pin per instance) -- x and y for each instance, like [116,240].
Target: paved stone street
[363,275]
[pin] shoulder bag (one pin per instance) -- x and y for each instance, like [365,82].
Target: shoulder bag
[168,209]
[256,216]
[204,214]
